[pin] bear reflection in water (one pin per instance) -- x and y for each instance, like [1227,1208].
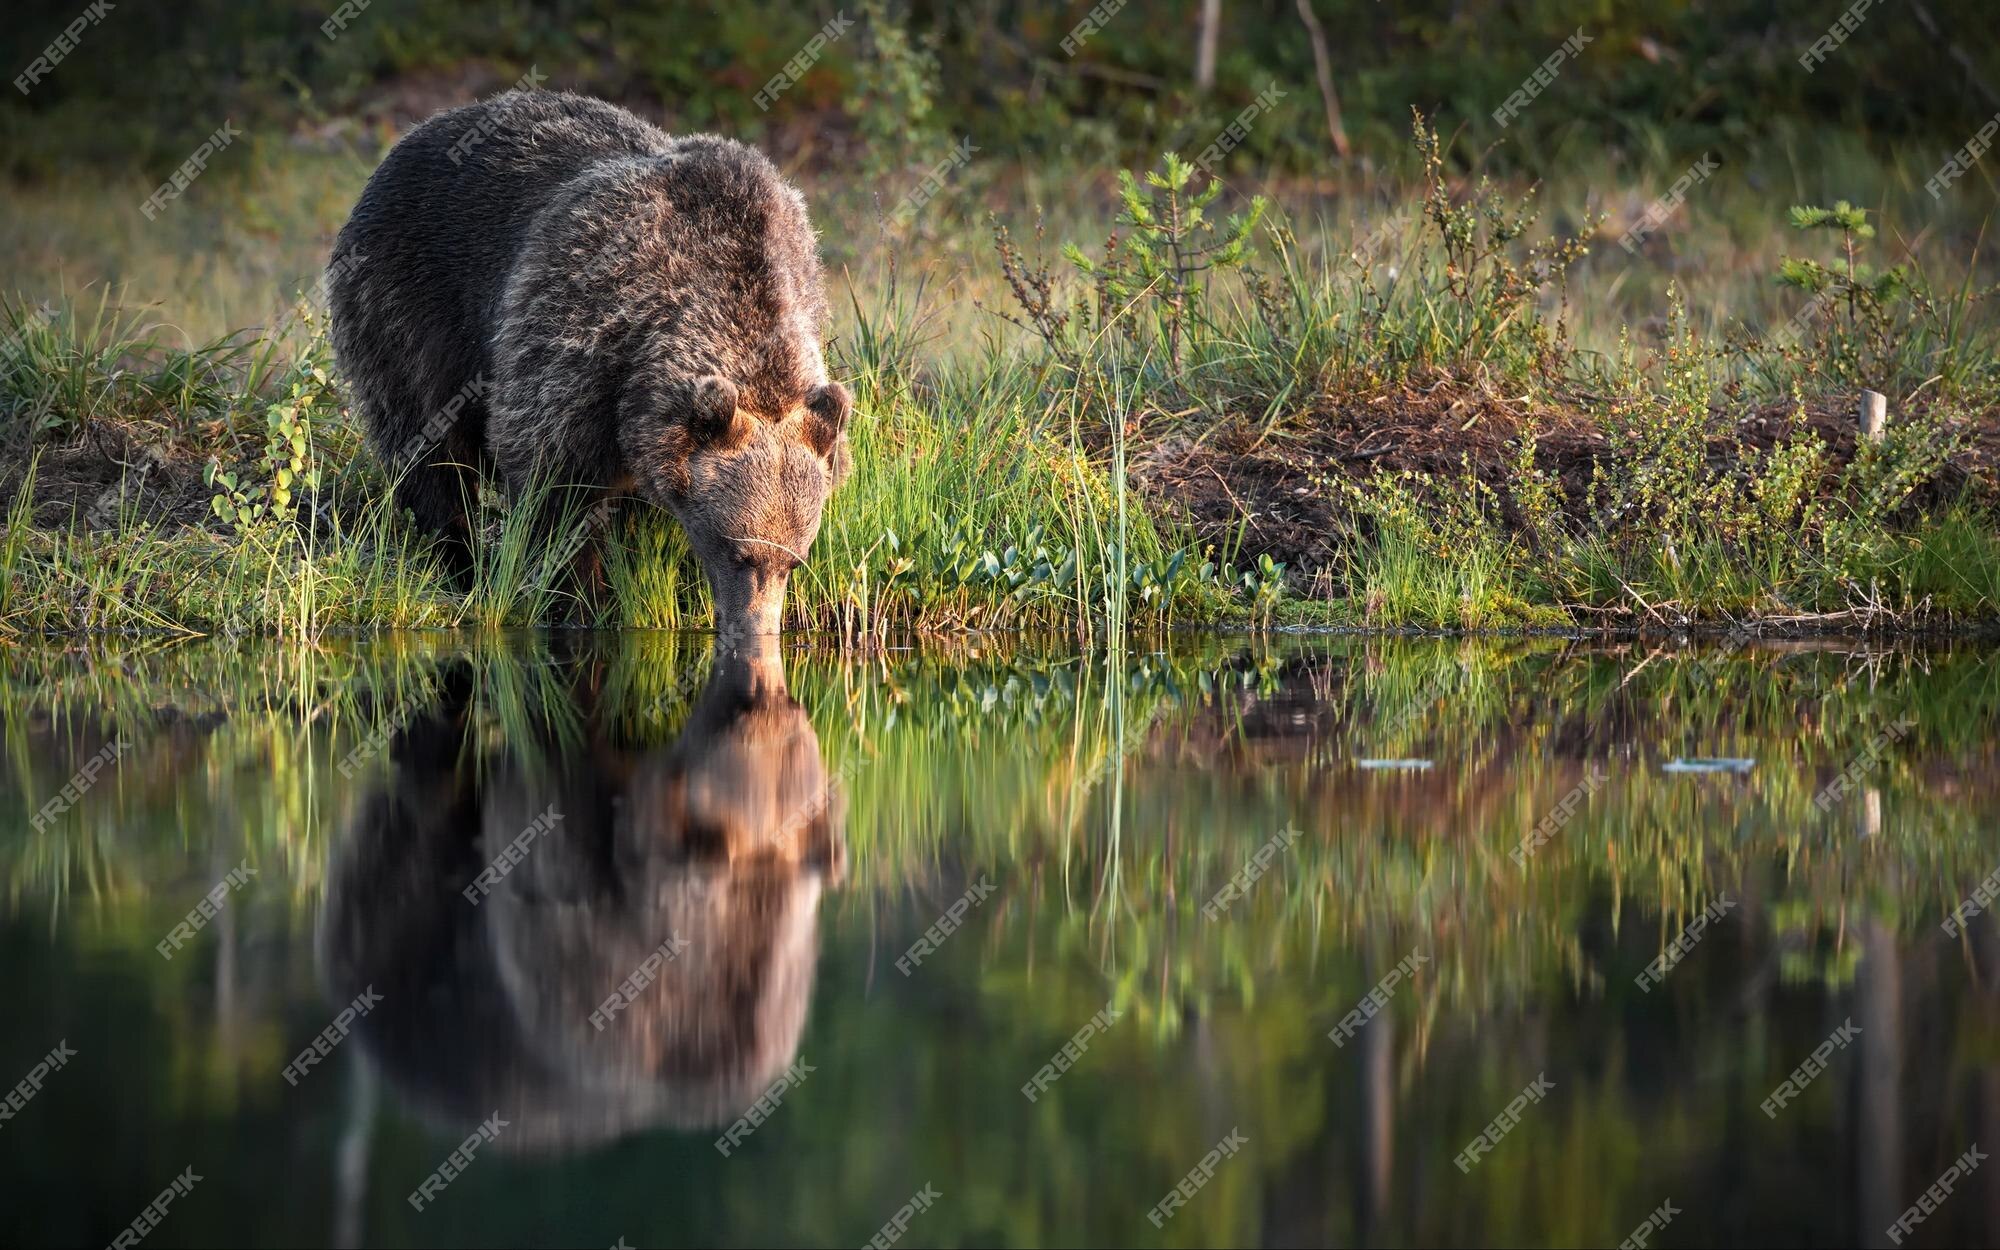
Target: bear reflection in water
[647,956]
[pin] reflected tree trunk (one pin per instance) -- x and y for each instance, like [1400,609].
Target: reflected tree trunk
[1988,1120]
[1879,1068]
[226,1009]
[1985,943]
[1378,1117]
[350,1176]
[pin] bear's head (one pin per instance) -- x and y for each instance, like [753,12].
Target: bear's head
[748,487]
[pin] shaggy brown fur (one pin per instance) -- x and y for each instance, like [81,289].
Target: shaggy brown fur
[545,287]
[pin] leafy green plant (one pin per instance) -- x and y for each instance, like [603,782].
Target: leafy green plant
[1857,304]
[1492,271]
[249,503]
[1657,478]
[1264,584]
[1170,245]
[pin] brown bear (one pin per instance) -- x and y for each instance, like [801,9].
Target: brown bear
[591,938]
[545,288]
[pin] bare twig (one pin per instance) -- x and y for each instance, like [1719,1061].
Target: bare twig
[1639,599]
[1087,69]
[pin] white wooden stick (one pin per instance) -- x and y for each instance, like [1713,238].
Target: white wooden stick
[1874,415]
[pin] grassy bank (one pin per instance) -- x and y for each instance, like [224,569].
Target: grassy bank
[1414,403]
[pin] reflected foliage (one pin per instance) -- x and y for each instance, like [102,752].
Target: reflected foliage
[1107,798]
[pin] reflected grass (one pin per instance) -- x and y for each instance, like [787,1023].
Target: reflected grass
[1002,759]
[1007,760]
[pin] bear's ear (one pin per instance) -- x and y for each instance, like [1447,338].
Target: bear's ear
[714,409]
[827,409]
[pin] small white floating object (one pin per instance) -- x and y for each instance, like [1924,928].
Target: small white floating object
[1725,765]
[1406,765]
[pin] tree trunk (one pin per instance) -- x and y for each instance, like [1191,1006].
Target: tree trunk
[1204,47]
[1323,66]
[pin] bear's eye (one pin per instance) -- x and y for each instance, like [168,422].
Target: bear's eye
[763,553]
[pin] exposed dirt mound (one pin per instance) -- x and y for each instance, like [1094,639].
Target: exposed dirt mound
[94,481]
[1271,481]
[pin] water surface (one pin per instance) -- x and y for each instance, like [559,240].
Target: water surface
[1308,915]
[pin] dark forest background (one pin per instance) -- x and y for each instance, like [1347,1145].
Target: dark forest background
[1668,76]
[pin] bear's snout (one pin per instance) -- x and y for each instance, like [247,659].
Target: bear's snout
[749,594]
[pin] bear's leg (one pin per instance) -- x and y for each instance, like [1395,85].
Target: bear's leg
[586,573]
[570,524]
[592,515]
[441,495]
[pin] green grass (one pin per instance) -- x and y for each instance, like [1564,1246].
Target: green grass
[994,460]
[951,520]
